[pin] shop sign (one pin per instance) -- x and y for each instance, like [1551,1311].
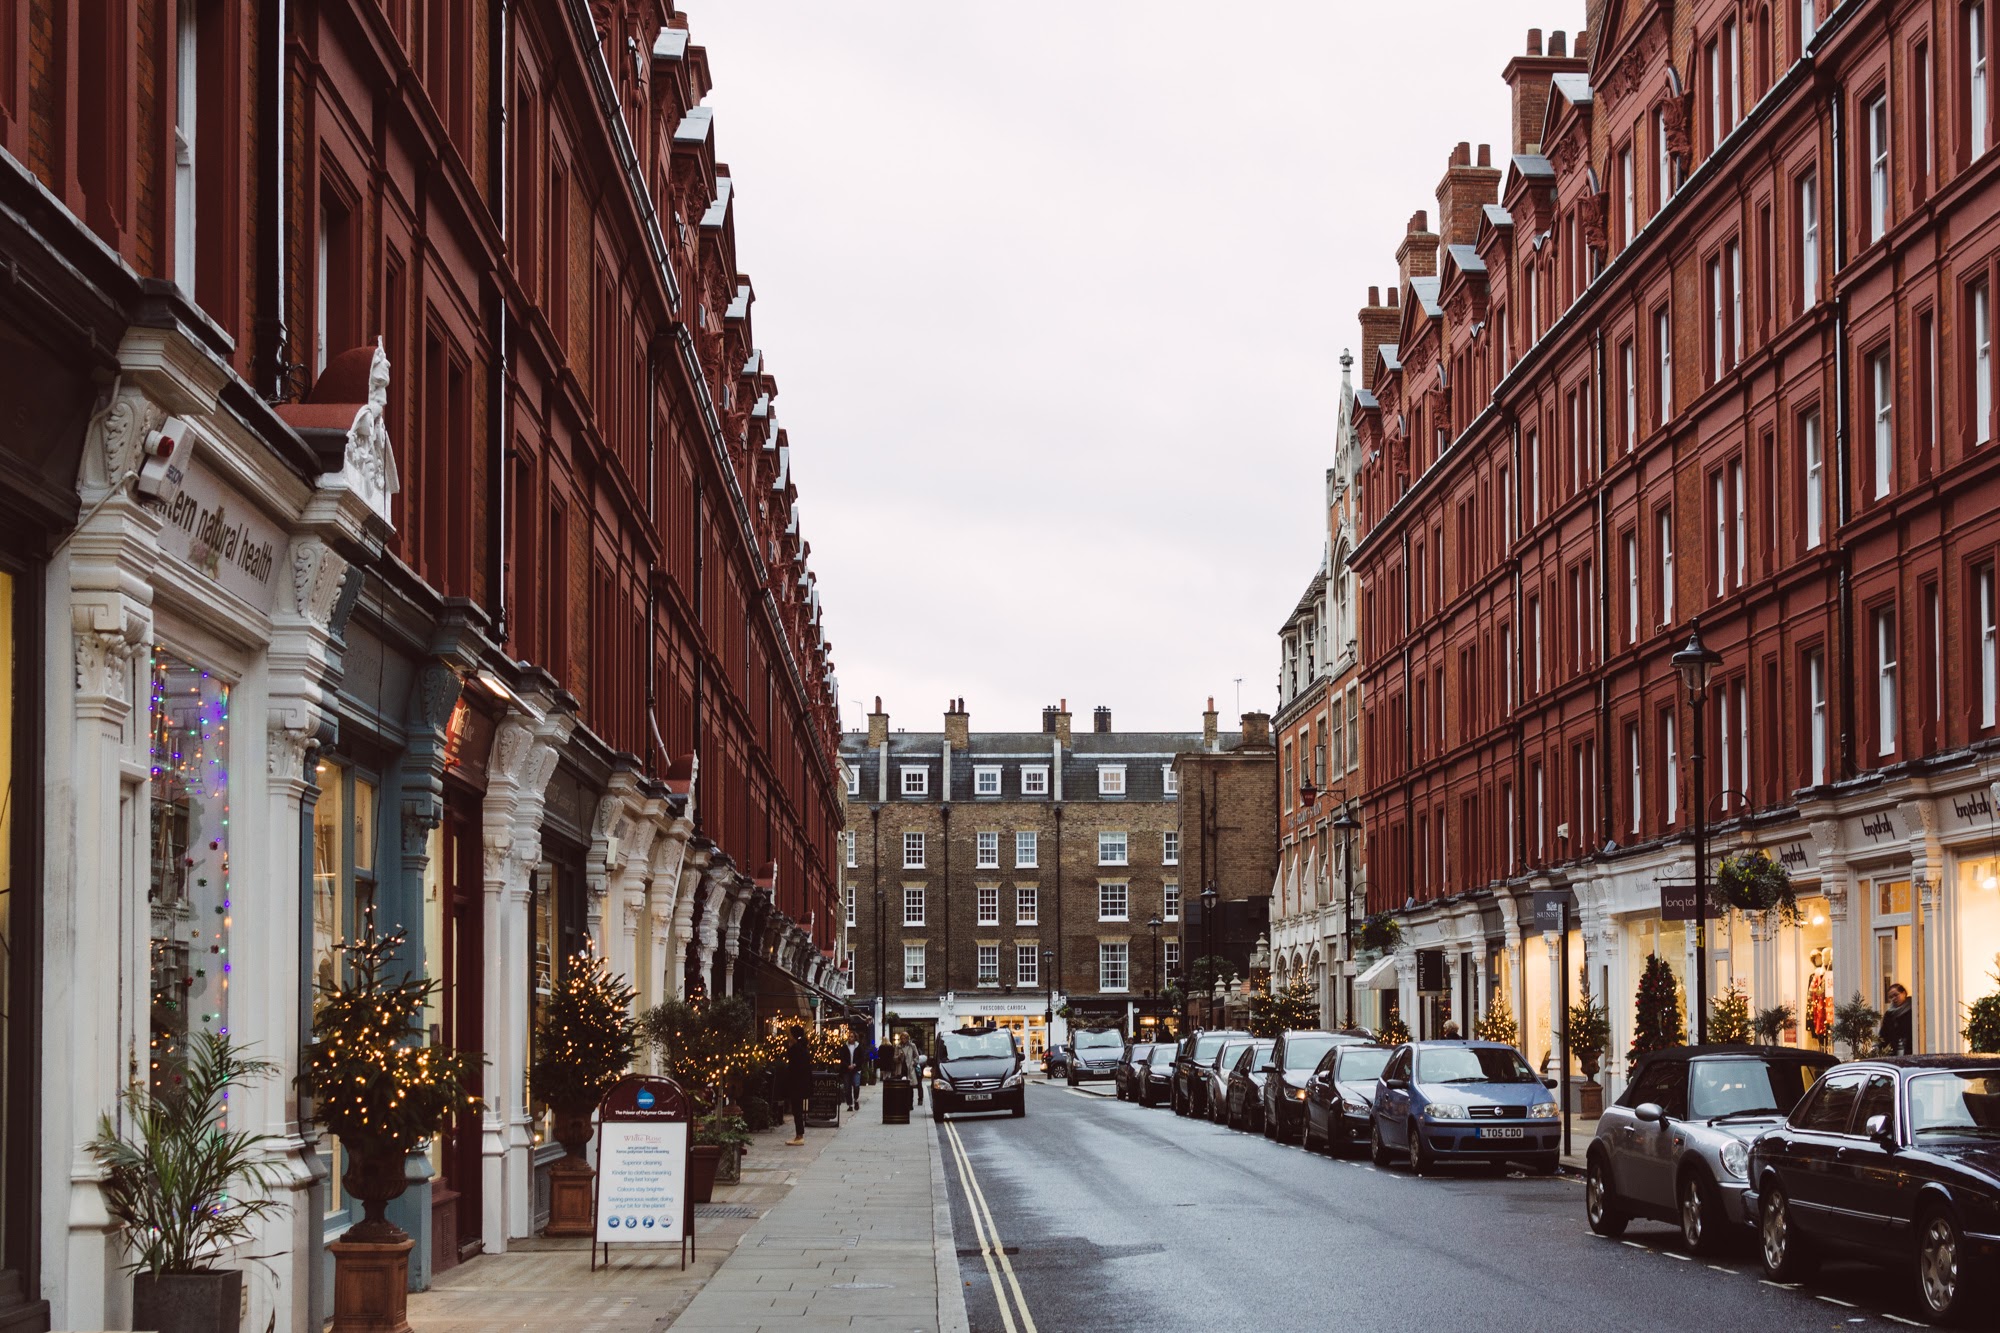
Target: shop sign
[1796,856]
[1879,828]
[991,1006]
[1551,910]
[1430,969]
[642,1166]
[1969,809]
[1678,900]
[211,526]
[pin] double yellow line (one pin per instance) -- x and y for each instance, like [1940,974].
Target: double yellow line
[988,1232]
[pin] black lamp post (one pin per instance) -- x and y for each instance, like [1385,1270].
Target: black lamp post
[1348,825]
[1049,1009]
[1208,899]
[1153,995]
[1696,663]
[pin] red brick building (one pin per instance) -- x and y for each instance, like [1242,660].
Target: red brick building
[1710,339]
[474,563]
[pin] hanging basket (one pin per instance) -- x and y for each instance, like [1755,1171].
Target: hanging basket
[1755,882]
[1380,933]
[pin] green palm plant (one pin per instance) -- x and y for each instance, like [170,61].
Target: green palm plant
[178,1176]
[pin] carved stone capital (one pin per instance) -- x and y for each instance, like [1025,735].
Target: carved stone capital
[317,572]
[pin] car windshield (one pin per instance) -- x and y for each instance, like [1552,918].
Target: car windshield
[1227,1060]
[1140,1053]
[967,1045]
[1304,1052]
[1473,1064]
[1206,1047]
[1962,1103]
[1362,1065]
[1260,1054]
[1162,1055]
[1718,1088]
[1105,1040]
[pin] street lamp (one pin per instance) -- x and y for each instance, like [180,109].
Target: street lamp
[1347,824]
[1154,926]
[1696,663]
[1208,899]
[1049,1009]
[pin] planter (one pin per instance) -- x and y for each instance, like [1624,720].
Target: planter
[371,1260]
[1587,1062]
[1586,1099]
[374,1176]
[703,1160]
[571,1209]
[188,1302]
[729,1167]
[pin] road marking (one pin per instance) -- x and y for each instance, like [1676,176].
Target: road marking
[1684,1258]
[1781,1286]
[1733,1272]
[979,1231]
[1633,1243]
[974,1193]
[1845,1305]
[1899,1319]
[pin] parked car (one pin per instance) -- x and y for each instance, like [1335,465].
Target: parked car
[977,1069]
[1131,1071]
[1463,1101]
[1158,1084]
[1893,1161]
[1293,1059]
[1093,1054]
[1191,1065]
[1055,1061]
[1340,1095]
[1215,1095]
[1243,1094]
[1676,1146]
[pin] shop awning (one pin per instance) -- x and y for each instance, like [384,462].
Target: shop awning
[1381,975]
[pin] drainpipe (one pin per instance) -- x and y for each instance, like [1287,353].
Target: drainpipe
[1841,444]
[272,374]
[497,413]
[1409,739]
[1600,373]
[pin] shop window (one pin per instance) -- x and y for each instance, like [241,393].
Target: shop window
[343,893]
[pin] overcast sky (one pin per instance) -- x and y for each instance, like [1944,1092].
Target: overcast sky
[1055,295]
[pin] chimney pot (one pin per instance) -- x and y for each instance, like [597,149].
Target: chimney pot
[1558,45]
[1101,719]
[1394,297]
[1462,155]
[1534,41]
[1486,155]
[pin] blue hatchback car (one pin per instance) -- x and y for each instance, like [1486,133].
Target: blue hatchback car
[1463,1101]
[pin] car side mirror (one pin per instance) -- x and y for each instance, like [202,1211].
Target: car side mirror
[1880,1131]
[1551,1083]
[1649,1113]
[1394,1083]
[1267,1069]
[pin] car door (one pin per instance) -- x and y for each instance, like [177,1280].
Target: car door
[1660,1143]
[1392,1099]
[1866,1181]
[1805,1158]
[1323,1095]
[1632,1141]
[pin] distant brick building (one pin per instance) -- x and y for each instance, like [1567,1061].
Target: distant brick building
[991,874]
[1228,805]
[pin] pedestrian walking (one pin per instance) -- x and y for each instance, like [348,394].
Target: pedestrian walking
[798,1080]
[1450,1030]
[913,1064]
[850,1069]
[1896,1025]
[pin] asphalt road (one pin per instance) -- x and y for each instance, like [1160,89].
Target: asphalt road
[1109,1216]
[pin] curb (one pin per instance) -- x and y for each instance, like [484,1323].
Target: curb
[952,1317]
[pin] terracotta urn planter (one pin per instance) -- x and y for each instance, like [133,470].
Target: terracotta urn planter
[570,1179]
[371,1261]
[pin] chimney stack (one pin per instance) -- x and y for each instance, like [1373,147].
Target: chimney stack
[1256,731]
[1417,256]
[1049,720]
[1062,722]
[957,724]
[1100,720]
[1463,193]
[878,724]
[1208,730]
[1527,79]
[1379,324]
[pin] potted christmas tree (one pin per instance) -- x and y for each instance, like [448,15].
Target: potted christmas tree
[378,1089]
[1656,1020]
[177,1182]
[1982,1022]
[1729,1019]
[1772,1024]
[584,1042]
[1586,1033]
[1498,1024]
[1272,1014]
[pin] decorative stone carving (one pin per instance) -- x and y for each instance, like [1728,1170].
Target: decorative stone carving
[437,695]
[420,816]
[104,664]
[368,467]
[123,429]
[1678,116]
[317,573]
[285,749]
[1590,212]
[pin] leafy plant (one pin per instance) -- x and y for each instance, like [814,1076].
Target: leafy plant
[1657,1021]
[1982,1021]
[177,1172]
[1770,1024]
[704,1045]
[1587,1029]
[1854,1025]
[1729,1017]
[758,1114]
[721,1129]
[1202,974]
[585,1038]
[374,1082]
[1755,881]
[1498,1024]
[1380,933]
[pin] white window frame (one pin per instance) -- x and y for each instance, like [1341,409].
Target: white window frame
[853,780]
[916,904]
[1111,779]
[1743,740]
[986,780]
[1114,848]
[1534,482]
[1114,900]
[1882,385]
[1671,775]
[1170,960]
[1809,240]
[1982,363]
[852,838]
[1722,565]
[986,964]
[1666,158]
[987,904]
[1742,523]
[1114,966]
[1629,186]
[916,780]
[1170,900]
[1817,723]
[1815,469]
[1808,23]
[916,850]
[187,55]
[1718,353]
[1885,681]
[1027,896]
[1667,576]
[850,905]
[1034,779]
[1027,965]
[1875,116]
[1976,92]
[1632,611]
[1170,847]
[1029,841]
[1663,338]
[1631,357]
[1170,781]
[913,967]
[1989,651]
[986,850]
[1535,615]
[1726,735]
[1734,252]
[1638,779]
[1731,40]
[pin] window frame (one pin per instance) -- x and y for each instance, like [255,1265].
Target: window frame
[984,773]
[1111,780]
[922,784]
[916,905]
[1034,779]
[1123,959]
[921,846]
[1122,846]
[1114,894]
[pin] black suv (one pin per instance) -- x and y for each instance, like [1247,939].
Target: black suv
[977,1069]
[1292,1062]
[1191,1062]
[1094,1054]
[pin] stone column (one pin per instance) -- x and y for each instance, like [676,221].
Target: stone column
[1933,953]
[690,880]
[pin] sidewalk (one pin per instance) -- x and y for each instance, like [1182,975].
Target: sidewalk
[1582,1131]
[853,1230]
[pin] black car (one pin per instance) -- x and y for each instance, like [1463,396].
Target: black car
[977,1069]
[1093,1054]
[1157,1083]
[1293,1059]
[1055,1061]
[1340,1095]
[1243,1095]
[1215,1099]
[1191,1064]
[1131,1071]
[1892,1161]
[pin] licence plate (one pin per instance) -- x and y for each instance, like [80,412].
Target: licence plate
[1501,1132]
[987,1097]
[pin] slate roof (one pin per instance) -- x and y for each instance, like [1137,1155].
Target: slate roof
[1426,292]
[1535,165]
[1144,754]
[1467,259]
[1575,87]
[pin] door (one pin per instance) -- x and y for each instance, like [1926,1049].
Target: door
[1866,1180]
[1648,1174]
[1806,1167]
[463,1012]
[1392,1103]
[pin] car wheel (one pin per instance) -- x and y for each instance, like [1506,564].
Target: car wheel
[1020,1107]
[1422,1162]
[1306,1133]
[1378,1151]
[1175,1103]
[1784,1250]
[1701,1214]
[937,1116]
[1600,1200]
[1943,1274]
[1273,1126]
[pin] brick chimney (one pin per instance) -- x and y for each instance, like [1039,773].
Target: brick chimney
[1062,723]
[1379,324]
[1100,720]
[1208,731]
[1464,191]
[957,724]
[878,724]
[1256,731]
[1527,77]
[1417,256]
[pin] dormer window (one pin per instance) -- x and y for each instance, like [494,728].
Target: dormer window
[1111,779]
[916,780]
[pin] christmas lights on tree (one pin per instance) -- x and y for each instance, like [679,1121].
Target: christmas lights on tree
[585,1037]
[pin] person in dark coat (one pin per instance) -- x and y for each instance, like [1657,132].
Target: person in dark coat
[798,1080]
[850,1070]
[1896,1027]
